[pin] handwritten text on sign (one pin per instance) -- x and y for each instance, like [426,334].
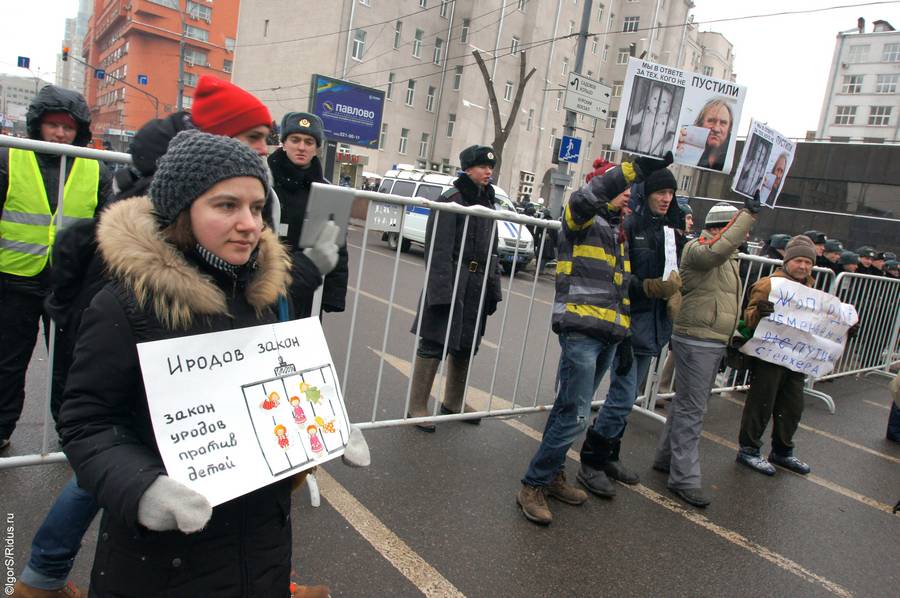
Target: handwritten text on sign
[806,333]
[237,410]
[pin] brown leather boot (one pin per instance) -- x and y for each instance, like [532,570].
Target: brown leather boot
[455,388]
[533,502]
[22,590]
[298,591]
[424,372]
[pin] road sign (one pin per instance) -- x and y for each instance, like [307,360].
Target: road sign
[23,62]
[99,74]
[569,149]
[143,79]
[587,97]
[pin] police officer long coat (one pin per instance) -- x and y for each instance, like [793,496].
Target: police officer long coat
[478,253]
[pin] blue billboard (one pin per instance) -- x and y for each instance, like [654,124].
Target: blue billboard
[351,113]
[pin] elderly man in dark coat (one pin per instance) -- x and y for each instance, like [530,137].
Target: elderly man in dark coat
[477,252]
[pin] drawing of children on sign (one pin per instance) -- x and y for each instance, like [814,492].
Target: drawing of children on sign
[314,442]
[281,434]
[299,415]
[271,401]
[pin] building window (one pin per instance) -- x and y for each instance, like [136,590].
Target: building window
[196,33]
[595,46]
[198,11]
[438,51]
[417,43]
[404,139]
[457,78]
[445,9]
[429,99]
[364,2]
[187,102]
[631,24]
[229,44]
[552,139]
[852,84]
[423,3]
[423,146]
[611,120]
[522,5]
[464,32]
[514,45]
[451,122]
[359,44]
[880,116]
[382,139]
[194,56]
[558,100]
[398,28]
[190,79]
[686,181]
[389,93]
[530,122]
[617,88]
[708,71]
[858,53]
[605,54]
[167,3]
[622,56]
[410,92]
[227,65]
[886,84]
[508,91]
[845,115]
[891,53]
[266,28]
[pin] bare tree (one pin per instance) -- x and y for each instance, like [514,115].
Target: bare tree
[501,131]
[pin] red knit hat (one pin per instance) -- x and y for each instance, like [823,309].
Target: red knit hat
[222,108]
[59,117]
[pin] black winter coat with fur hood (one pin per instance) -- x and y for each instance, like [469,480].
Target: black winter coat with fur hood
[157,292]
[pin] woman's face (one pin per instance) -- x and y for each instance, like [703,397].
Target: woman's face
[227,219]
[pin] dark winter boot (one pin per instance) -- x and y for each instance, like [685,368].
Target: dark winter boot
[455,388]
[424,372]
[614,468]
[595,454]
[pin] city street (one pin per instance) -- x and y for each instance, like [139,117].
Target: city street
[435,514]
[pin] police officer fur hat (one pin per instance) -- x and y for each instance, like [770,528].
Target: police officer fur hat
[779,240]
[833,245]
[195,162]
[848,257]
[800,246]
[891,265]
[477,155]
[866,251]
[719,215]
[817,236]
[302,122]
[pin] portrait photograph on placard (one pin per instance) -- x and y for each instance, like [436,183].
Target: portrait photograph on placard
[764,164]
[652,119]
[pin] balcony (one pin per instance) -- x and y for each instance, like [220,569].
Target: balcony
[115,11]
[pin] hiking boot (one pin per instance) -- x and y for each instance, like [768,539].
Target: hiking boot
[596,481]
[789,462]
[754,460]
[23,590]
[298,591]
[692,496]
[534,504]
[564,492]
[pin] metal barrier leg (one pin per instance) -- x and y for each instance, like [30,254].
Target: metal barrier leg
[818,394]
[315,499]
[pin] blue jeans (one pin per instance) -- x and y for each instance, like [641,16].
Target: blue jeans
[57,541]
[623,390]
[582,362]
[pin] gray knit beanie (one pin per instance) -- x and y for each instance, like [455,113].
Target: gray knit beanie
[194,162]
[800,246]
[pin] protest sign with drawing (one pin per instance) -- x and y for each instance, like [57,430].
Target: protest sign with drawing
[764,164]
[667,109]
[806,333]
[237,410]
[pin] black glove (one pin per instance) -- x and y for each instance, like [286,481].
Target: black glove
[753,204]
[765,309]
[626,357]
[645,166]
[853,331]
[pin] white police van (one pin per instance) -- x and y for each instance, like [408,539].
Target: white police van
[408,182]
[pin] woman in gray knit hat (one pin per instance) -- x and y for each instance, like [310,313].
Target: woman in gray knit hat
[194,257]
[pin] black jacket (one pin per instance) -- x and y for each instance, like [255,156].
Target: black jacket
[651,327]
[446,239]
[156,292]
[292,184]
[52,98]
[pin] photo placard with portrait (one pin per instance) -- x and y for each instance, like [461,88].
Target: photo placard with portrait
[668,109]
[764,164]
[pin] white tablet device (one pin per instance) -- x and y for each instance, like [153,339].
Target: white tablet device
[326,202]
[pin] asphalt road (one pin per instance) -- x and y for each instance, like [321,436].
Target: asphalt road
[435,514]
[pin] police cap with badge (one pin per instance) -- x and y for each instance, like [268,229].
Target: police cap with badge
[477,155]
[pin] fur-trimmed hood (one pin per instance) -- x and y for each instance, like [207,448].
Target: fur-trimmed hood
[135,253]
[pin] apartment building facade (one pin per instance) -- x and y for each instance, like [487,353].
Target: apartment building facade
[70,73]
[861,102]
[420,53]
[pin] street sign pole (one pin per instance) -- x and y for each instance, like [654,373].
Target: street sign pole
[560,179]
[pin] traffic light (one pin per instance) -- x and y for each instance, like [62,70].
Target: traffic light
[65,54]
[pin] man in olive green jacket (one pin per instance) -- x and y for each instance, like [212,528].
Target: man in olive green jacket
[711,290]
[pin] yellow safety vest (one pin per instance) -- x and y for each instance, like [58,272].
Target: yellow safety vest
[27,228]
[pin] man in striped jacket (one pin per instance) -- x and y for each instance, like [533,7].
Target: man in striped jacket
[591,317]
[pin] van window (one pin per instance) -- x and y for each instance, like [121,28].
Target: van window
[432,192]
[404,188]
[385,186]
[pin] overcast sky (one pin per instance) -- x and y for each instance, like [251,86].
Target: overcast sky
[783,60]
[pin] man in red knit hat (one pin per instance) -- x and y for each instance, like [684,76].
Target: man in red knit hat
[223,108]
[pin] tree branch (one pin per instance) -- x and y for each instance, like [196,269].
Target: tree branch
[492,96]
